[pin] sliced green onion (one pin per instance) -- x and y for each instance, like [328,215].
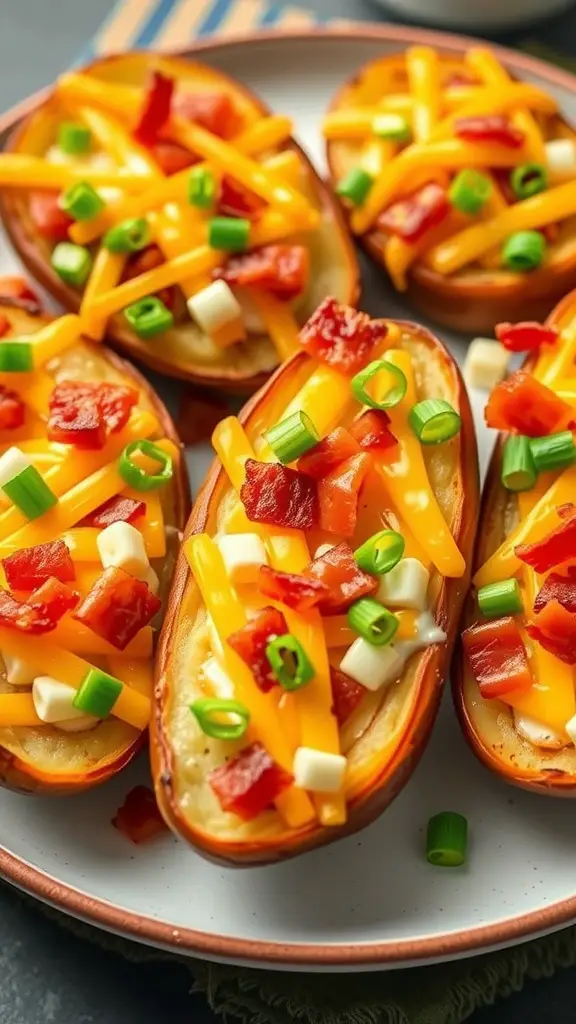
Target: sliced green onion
[201,188]
[129,236]
[72,263]
[469,191]
[230,233]
[395,391]
[98,693]
[433,421]
[518,470]
[74,138]
[149,317]
[392,126]
[289,662]
[524,251]
[528,180]
[373,621]
[502,598]
[81,201]
[30,493]
[208,713]
[556,451]
[137,477]
[355,186]
[447,839]
[16,356]
[381,552]
[293,436]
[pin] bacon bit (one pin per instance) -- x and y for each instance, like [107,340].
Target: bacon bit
[497,657]
[139,818]
[149,259]
[82,413]
[338,495]
[341,336]
[412,217]
[49,220]
[345,580]
[117,607]
[566,510]
[555,630]
[29,567]
[119,509]
[15,291]
[294,591]
[12,408]
[155,111]
[526,336]
[172,158]
[371,430]
[346,694]
[249,783]
[502,177]
[198,415]
[53,599]
[279,496]
[237,201]
[331,451]
[560,588]
[521,403]
[559,545]
[282,270]
[489,128]
[5,326]
[251,641]
[215,111]
[41,612]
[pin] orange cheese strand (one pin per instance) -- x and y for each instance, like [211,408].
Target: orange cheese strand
[485,64]
[75,637]
[281,324]
[107,271]
[22,171]
[423,66]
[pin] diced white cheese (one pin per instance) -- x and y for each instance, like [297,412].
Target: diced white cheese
[18,671]
[121,546]
[323,549]
[53,700]
[486,363]
[318,771]
[12,462]
[538,733]
[81,724]
[405,586]
[571,729]
[561,158]
[218,680]
[372,667]
[216,310]
[243,554]
[152,580]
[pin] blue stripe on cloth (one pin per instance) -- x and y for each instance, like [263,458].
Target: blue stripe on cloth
[272,15]
[214,17]
[148,33]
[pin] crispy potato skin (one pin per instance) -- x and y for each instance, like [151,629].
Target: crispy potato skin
[25,777]
[545,780]
[430,673]
[33,253]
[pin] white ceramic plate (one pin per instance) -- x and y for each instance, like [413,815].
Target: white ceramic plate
[371,900]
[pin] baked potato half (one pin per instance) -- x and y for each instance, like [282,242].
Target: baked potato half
[366,712]
[194,178]
[48,744]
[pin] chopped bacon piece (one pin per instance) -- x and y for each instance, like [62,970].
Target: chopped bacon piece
[237,201]
[148,259]
[341,336]
[554,628]
[338,495]
[345,580]
[5,326]
[251,641]
[172,158]
[502,178]
[41,612]
[412,217]
[18,292]
[217,112]
[82,426]
[155,111]
[567,510]
[249,783]
[331,451]
[497,657]
[489,128]
[81,413]
[198,415]
[559,545]
[558,587]
[119,509]
[49,220]
[138,818]
[346,694]
[282,270]
[53,599]
[523,404]
[29,567]
[371,430]
[117,607]
[525,336]
[279,496]
[297,592]
[12,409]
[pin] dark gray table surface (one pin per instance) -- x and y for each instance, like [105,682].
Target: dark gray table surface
[46,974]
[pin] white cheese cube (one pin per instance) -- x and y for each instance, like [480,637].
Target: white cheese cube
[81,724]
[323,549]
[405,586]
[53,700]
[561,158]
[318,771]
[372,667]
[18,671]
[218,680]
[538,733]
[486,363]
[243,554]
[151,578]
[12,462]
[571,729]
[121,546]
[216,309]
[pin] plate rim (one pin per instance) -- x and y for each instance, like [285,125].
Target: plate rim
[159,933]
